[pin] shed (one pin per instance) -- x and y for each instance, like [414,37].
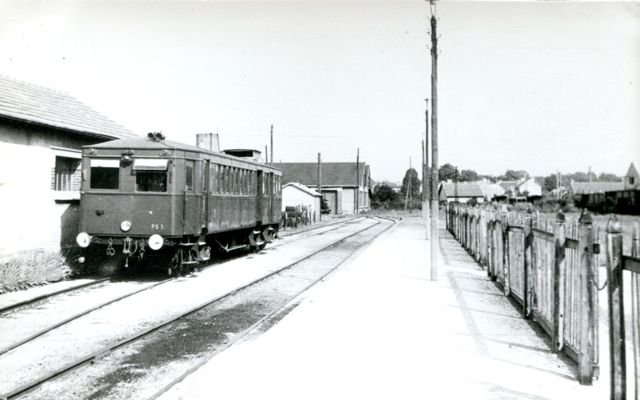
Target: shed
[298,195]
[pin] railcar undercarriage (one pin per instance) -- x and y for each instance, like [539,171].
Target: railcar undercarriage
[185,254]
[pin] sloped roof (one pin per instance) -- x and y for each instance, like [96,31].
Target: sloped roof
[462,189]
[596,187]
[37,104]
[303,188]
[491,190]
[508,185]
[632,171]
[333,174]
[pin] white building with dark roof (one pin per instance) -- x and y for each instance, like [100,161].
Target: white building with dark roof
[41,134]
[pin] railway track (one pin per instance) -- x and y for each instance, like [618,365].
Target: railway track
[103,347]
[42,319]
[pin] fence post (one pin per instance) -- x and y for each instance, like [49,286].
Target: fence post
[635,303]
[504,223]
[616,311]
[559,238]
[587,306]
[528,241]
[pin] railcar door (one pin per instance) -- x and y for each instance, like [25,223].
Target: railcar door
[204,194]
[259,194]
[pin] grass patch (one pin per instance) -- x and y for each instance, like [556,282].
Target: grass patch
[32,268]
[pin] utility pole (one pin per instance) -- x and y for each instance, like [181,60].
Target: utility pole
[427,181]
[434,142]
[318,188]
[357,210]
[271,156]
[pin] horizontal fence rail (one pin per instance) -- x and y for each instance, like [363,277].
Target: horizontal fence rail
[549,267]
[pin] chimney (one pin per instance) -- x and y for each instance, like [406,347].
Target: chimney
[208,141]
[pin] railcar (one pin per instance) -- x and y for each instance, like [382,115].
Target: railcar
[149,198]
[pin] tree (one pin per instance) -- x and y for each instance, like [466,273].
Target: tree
[447,172]
[384,193]
[607,177]
[468,175]
[513,175]
[550,182]
[411,175]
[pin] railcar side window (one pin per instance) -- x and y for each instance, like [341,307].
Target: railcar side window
[188,179]
[151,174]
[105,174]
[214,178]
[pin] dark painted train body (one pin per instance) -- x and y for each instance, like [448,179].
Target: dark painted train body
[151,197]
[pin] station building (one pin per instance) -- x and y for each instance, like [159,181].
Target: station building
[41,135]
[340,183]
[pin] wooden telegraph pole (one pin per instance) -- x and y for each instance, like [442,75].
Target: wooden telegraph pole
[357,182]
[318,188]
[271,156]
[434,142]
[426,182]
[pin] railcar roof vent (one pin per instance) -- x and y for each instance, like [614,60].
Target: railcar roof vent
[155,136]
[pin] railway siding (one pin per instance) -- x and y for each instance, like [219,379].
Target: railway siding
[119,321]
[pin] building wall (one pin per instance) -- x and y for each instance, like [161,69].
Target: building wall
[348,200]
[292,197]
[34,217]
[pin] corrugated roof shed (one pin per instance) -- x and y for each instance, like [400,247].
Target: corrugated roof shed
[596,187]
[37,104]
[333,174]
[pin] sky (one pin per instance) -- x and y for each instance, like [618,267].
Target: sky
[535,86]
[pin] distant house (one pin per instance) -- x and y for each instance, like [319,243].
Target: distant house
[461,192]
[339,183]
[297,195]
[530,189]
[523,189]
[492,191]
[41,134]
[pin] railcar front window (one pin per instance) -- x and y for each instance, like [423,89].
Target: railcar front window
[151,181]
[105,174]
[151,175]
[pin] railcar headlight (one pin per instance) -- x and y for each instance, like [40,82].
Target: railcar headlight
[83,239]
[125,226]
[155,241]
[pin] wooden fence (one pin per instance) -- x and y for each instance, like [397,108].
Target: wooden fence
[548,266]
[620,270]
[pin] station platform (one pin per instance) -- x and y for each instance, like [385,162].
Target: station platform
[380,328]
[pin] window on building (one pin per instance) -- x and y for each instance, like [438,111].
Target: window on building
[632,180]
[151,175]
[67,174]
[105,174]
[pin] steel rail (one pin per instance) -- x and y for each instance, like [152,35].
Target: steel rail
[254,327]
[7,309]
[78,315]
[114,300]
[95,355]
